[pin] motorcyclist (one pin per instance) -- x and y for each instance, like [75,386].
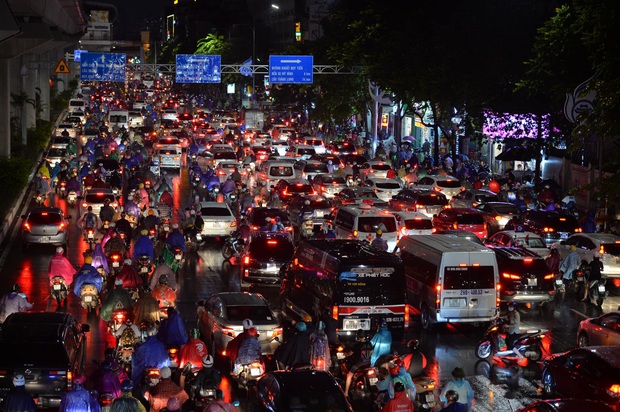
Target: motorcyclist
[60,266]
[175,238]
[164,294]
[79,399]
[378,242]
[159,394]
[249,351]
[144,246]
[115,245]
[219,405]
[89,220]
[208,376]
[296,350]
[150,221]
[124,226]
[42,185]
[116,299]
[99,258]
[106,380]
[144,197]
[570,264]
[152,353]
[319,348]
[513,326]
[243,230]
[194,351]
[232,349]
[163,269]
[17,399]
[14,302]
[172,329]
[398,374]
[553,260]
[381,343]
[246,201]
[126,389]
[131,207]
[228,186]
[357,356]
[594,273]
[106,214]
[73,185]
[129,276]
[400,402]
[146,308]
[87,275]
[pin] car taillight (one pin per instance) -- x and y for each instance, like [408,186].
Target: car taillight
[26,226]
[511,276]
[69,380]
[438,300]
[549,276]
[437,189]
[407,315]
[355,233]
[601,250]
[246,260]
[61,227]
[233,223]
[455,225]
[371,372]
[614,390]
[276,331]
[548,229]
[335,312]
[84,205]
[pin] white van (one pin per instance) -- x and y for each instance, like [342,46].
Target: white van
[450,279]
[76,105]
[363,221]
[118,119]
[272,172]
[413,223]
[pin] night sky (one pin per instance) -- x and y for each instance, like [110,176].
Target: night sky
[132,14]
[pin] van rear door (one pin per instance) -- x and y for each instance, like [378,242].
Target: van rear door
[469,282]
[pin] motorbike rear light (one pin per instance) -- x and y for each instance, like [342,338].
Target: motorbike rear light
[69,380]
[276,332]
[438,300]
[549,276]
[84,205]
[455,225]
[601,250]
[407,314]
[614,390]
[119,317]
[371,372]
[355,233]
[335,312]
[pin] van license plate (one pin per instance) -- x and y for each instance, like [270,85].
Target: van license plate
[456,302]
[115,264]
[255,371]
[532,282]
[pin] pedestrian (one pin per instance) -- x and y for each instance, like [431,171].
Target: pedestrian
[461,387]
[453,405]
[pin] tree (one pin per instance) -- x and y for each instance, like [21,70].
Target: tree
[212,44]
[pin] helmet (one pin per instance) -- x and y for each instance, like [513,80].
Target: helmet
[175,225]
[88,260]
[307,202]
[79,378]
[127,261]
[307,318]
[130,197]
[192,212]
[399,387]
[379,232]
[144,232]
[59,249]
[513,304]
[163,280]
[573,248]
[247,324]
[166,372]
[118,282]
[301,326]
[207,361]
[16,288]
[106,201]
[19,380]
[123,215]
[173,405]
[126,385]
[151,212]
[252,332]
[413,344]
[321,325]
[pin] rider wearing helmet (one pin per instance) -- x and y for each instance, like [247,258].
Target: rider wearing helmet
[296,350]
[152,353]
[164,293]
[87,275]
[126,389]
[17,399]
[116,299]
[144,246]
[14,302]
[194,351]
[357,356]
[232,349]
[378,242]
[105,380]
[208,377]
[249,350]
[172,330]
[513,325]
[60,266]
[400,401]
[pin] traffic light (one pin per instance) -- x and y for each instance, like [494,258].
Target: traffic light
[298,31]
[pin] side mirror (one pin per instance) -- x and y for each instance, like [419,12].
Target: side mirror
[85,327]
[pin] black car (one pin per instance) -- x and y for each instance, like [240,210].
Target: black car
[298,390]
[357,196]
[550,225]
[266,254]
[287,189]
[424,201]
[525,278]
[305,216]
[258,216]
[48,348]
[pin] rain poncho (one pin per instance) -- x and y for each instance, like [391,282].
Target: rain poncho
[146,309]
[295,351]
[164,295]
[18,400]
[400,403]
[193,352]
[172,330]
[160,270]
[60,266]
[12,303]
[151,353]
[212,181]
[404,378]
[176,239]
[132,208]
[319,351]
[249,351]
[99,258]
[116,299]
[463,388]
[570,264]
[143,246]
[78,400]
[107,382]
[381,344]
[87,274]
[131,279]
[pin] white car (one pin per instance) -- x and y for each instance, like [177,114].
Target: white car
[527,240]
[316,142]
[169,158]
[384,188]
[218,218]
[448,185]
[226,168]
[413,223]
[302,152]
[607,245]
[374,168]
[170,114]
[280,146]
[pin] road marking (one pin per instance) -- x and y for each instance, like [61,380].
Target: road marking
[583,315]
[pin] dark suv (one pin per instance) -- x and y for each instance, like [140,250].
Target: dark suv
[47,348]
[266,253]
[551,226]
[258,215]
[524,278]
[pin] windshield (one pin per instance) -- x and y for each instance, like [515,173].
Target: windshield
[118,119]
[611,248]
[372,286]
[224,155]
[485,198]
[370,224]
[507,210]
[168,152]
[383,167]
[56,153]
[303,151]
[432,200]
[388,185]
[44,218]
[452,184]
[533,242]
[299,188]
[469,277]
[42,354]
[281,171]
[276,248]
[256,313]
[98,197]
[319,167]
[214,211]
[418,224]
[469,219]
[333,180]
[314,142]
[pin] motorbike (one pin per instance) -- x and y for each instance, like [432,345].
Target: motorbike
[63,188]
[598,292]
[173,354]
[178,255]
[89,297]
[115,262]
[202,395]
[89,237]
[247,373]
[233,246]
[529,344]
[72,197]
[164,228]
[39,199]
[118,318]
[59,289]
[105,400]
[196,179]
[144,266]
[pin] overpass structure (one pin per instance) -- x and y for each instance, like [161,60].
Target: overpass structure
[33,37]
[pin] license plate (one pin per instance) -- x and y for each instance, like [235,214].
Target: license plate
[88,298]
[319,213]
[456,302]
[166,228]
[91,235]
[532,282]
[115,264]
[373,381]
[71,198]
[355,324]
[178,257]
[255,371]
[563,235]
[601,289]
[430,397]
[559,282]
[579,278]
[57,286]
[199,238]
[340,355]
[144,270]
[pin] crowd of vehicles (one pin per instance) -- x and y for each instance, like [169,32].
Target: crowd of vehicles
[348,242]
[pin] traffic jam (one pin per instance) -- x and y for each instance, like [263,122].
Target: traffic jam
[183,255]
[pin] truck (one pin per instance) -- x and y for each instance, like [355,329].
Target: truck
[254,119]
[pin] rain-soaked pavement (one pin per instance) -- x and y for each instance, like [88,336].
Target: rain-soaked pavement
[206,272]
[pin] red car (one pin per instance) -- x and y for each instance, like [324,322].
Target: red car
[592,372]
[470,220]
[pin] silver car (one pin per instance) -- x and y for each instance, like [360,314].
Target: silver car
[45,225]
[221,316]
[218,218]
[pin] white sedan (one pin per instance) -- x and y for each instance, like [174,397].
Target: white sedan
[383,187]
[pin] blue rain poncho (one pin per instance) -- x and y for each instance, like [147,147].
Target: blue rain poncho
[381,344]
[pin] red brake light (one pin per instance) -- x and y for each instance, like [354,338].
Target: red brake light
[246,260]
[27,226]
[335,312]
[511,276]
[528,260]
[272,242]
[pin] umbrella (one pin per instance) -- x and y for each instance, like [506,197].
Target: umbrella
[408,139]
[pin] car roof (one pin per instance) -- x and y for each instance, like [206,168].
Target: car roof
[100,190]
[462,211]
[601,237]
[46,209]
[214,204]
[515,253]
[409,215]
[382,180]
[517,235]
[242,298]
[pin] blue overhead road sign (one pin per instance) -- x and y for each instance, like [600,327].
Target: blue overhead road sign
[198,68]
[290,69]
[103,67]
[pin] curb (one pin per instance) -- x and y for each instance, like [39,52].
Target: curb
[10,217]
